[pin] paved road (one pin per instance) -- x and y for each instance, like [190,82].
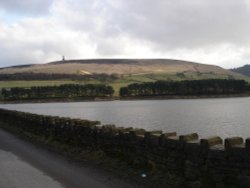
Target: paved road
[23,165]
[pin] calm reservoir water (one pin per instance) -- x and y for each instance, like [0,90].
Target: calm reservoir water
[208,117]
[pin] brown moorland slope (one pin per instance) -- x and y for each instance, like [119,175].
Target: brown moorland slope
[118,66]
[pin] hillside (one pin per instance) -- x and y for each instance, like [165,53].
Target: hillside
[245,70]
[128,71]
[119,66]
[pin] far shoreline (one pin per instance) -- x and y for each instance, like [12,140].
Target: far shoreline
[137,98]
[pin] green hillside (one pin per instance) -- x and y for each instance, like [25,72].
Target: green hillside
[127,71]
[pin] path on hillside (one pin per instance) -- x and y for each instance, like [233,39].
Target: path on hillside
[23,165]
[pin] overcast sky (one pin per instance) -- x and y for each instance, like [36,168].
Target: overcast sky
[205,31]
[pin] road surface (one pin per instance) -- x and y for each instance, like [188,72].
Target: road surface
[23,165]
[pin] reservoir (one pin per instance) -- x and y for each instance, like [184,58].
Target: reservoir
[224,117]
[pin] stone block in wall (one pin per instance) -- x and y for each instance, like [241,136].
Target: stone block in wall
[190,145]
[237,153]
[192,171]
[108,131]
[194,184]
[169,134]
[192,150]
[235,149]
[140,139]
[233,142]
[124,135]
[207,143]
[155,139]
[164,136]
[244,181]
[136,132]
[171,142]
[152,138]
[125,129]
[175,162]
[109,126]
[248,145]
[155,132]
[98,130]
[210,141]
[217,152]
[123,140]
[223,174]
[189,137]
[136,136]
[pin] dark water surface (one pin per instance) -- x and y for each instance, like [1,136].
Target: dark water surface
[208,117]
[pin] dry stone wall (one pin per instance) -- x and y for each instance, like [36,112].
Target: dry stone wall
[206,162]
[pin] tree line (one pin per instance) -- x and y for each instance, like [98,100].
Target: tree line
[56,76]
[187,87]
[62,91]
[158,88]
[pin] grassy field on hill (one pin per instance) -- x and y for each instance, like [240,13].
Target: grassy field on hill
[118,66]
[128,71]
[124,81]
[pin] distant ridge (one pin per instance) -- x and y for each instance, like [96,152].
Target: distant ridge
[245,70]
[18,66]
[103,61]
[118,66]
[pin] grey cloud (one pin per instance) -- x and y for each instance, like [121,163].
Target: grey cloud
[118,27]
[166,24]
[185,24]
[26,7]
